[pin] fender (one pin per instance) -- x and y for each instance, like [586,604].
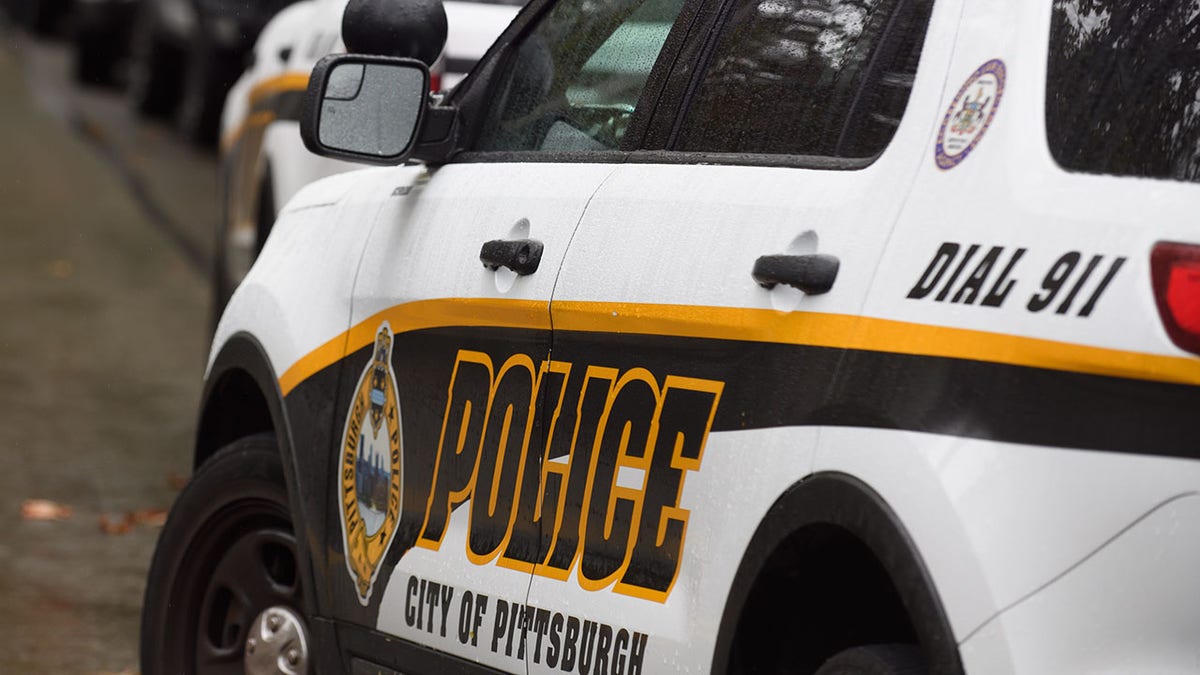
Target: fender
[846,502]
[242,397]
[243,358]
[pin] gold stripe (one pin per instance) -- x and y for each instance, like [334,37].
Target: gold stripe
[294,81]
[754,325]
[420,315]
[279,84]
[870,334]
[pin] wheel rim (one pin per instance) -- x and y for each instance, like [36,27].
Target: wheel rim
[244,563]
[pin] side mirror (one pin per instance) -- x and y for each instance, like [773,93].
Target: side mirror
[365,108]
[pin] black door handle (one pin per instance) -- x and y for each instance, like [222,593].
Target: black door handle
[814,273]
[519,255]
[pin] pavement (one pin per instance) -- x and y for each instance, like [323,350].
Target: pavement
[103,340]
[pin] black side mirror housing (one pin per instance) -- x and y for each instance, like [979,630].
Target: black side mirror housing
[365,108]
[414,29]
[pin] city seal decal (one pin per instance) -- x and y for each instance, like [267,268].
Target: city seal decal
[371,467]
[970,114]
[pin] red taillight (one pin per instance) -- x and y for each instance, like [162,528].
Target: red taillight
[435,82]
[1175,272]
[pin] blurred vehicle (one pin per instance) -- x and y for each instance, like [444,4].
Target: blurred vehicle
[42,17]
[263,162]
[101,31]
[185,55]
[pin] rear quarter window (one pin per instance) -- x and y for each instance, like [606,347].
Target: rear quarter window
[828,78]
[1123,87]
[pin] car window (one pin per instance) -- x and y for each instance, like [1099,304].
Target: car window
[1123,88]
[808,77]
[575,80]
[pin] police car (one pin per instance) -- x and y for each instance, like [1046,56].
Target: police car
[263,161]
[742,336]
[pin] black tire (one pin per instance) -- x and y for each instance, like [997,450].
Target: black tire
[227,552]
[890,659]
[95,58]
[154,71]
[45,16]
[208,76]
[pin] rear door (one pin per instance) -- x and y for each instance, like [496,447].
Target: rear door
[1022,274]
[698,368]
[448,357]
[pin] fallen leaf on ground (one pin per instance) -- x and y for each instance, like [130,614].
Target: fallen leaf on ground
[116,524]
[152,517]
[120,523]
[44,509]
[62,269]
[135,159]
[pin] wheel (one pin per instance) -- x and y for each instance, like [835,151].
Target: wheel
[224,590]
[891,659]
[95,58]
[208,77]
[154,69]
[45,17]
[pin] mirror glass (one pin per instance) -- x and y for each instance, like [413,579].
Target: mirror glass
[371,108]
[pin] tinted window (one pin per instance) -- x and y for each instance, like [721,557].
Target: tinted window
[575,80]
[809,77]
[1123,87]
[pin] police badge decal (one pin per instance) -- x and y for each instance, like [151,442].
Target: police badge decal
[970,114]
[371,468]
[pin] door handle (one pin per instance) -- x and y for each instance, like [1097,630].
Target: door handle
[814,273]
[519,255]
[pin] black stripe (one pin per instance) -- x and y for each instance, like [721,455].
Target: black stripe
[1015,404]
[773,385]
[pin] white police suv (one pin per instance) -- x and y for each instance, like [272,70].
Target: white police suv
[734,336]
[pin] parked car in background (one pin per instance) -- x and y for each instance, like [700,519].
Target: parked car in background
[101,31]
[42,17]
[186,54]
[263,162]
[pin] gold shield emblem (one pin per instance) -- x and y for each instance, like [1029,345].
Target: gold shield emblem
[371,468]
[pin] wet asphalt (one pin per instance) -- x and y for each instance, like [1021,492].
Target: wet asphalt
[105,239]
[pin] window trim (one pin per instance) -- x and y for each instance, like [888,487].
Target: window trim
[540,157]
[816,162]
[647,156]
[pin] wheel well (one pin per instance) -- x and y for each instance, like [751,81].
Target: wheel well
[830,566]
[234,408]
[820,591]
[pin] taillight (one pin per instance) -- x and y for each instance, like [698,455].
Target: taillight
[435,82]
[1175,272]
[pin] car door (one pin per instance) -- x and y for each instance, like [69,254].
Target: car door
[1027,268]
[448,356]
[704,306]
